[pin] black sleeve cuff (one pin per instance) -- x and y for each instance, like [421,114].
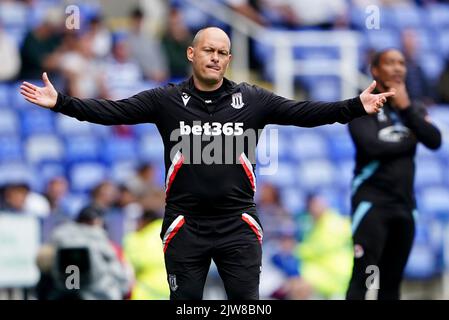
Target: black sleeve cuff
[59,103]
[356,107]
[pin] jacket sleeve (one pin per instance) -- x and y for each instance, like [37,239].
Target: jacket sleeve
[364,133]
[425,132]
[283,111]
[143,107]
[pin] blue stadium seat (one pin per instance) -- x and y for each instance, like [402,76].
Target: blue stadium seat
[323,88]
[13,172]
[68,126]
[43,147]
[438,15]
[37,121]
[119,149]
[121,171]
[341,146]
[293,199]
[10,149]
[9,124]
[314,174]
[432,65]
[13,13]
[345,171]
[443,41]
[309,145]
[84,176]
[284,176]
[82,148]
[407,16]
[383,39]
[73,203]
[4,96]
[151,148]
[434,199]
[429,172]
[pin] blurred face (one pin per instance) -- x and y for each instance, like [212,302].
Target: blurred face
[57,188]
[15,197]
[317,206]
[210,56]
[391,68]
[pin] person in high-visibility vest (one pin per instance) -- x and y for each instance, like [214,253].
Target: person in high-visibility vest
[143,249]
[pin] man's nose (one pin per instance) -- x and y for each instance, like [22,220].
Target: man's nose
[215,57]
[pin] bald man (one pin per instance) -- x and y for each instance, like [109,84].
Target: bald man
[210,211]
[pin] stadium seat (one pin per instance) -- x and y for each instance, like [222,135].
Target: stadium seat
[122,170]
[429,172]
[309,145]
[10,148]
[9,124]
[68,126]
[43,147]
[382,39]
[432,65]
[434,199]
[14,172]
[406,16]
[37,121]
[444,42]
[85,176]
[314,174]
[119,149]
[438,15]
[4,96]
[82,148]
[341,146]
[151,148]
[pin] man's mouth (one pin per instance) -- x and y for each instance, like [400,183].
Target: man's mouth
[213,67]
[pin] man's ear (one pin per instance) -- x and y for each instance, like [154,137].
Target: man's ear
[190,51]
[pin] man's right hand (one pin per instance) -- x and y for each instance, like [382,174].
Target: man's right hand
[42,96]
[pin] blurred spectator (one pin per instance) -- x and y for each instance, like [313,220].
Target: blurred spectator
[39,49]
[272,214]
[36,205]
[143,249]
[156,12]
[83,74]
[14,197]
[9,56]
[247,9]
[293,287]
[104,195]
[106,277]
[146,50]
[56,190]
[99,36]
[416,81]
[121,69]
[129,207]
[142,181]
[323,14]
[175,42]
[326,251]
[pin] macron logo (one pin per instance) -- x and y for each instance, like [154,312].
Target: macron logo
[185,98]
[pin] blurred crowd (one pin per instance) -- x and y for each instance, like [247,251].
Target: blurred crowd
[149,44]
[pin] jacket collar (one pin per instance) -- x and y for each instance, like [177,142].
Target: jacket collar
[189,87]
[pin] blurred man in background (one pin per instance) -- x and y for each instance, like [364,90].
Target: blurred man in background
[106,277]
[383,201]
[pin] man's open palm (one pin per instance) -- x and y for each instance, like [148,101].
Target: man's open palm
[373,102]
[42,96]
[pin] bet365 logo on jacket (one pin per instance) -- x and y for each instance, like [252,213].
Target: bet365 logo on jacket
[211,128]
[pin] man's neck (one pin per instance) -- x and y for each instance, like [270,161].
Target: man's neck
[205,86]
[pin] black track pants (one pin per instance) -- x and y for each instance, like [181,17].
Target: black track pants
[383,238]
[233,242]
